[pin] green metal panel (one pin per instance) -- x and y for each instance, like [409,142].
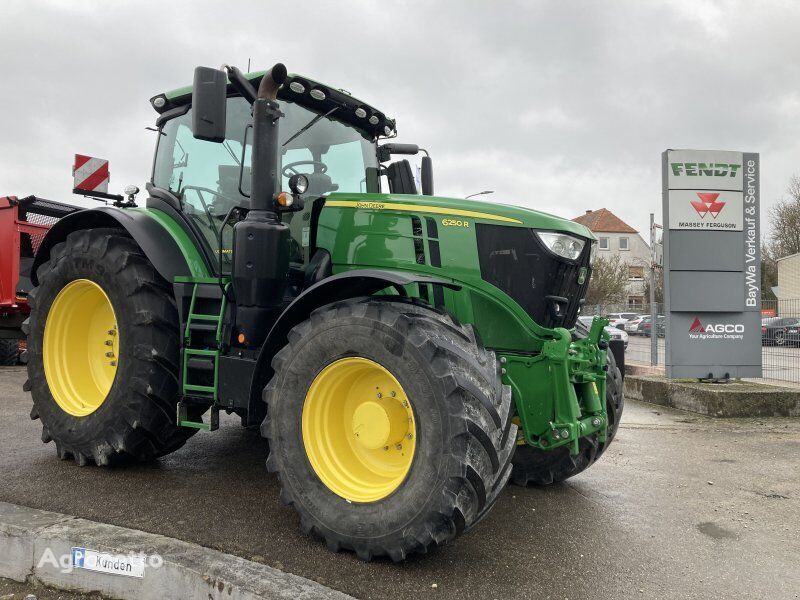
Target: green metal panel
[375,231]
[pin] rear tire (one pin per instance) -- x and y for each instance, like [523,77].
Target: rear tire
[9,352]
[136,419]
[533,466]
[461,413]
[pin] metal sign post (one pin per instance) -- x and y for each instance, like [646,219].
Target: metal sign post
[712,264]
[654,266]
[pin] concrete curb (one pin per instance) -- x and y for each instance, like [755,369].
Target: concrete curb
[187,571]
[738,399]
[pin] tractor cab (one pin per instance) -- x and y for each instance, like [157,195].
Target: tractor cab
[325,135]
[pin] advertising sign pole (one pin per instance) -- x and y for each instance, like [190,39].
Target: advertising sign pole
[712,264]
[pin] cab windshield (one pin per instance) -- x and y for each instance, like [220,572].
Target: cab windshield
[208,180]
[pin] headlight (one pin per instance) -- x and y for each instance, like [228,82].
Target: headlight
[562,244]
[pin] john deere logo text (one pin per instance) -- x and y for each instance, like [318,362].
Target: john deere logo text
[707,204]
[727,331]
[704,169]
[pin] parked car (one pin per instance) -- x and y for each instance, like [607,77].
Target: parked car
[646,327]
[632,326]
[780,331]
[619,320]
[613,332]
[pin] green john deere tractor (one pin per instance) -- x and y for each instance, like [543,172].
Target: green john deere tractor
[404,354]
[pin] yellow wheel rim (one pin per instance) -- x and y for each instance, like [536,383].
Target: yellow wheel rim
[81,347]
[358,430]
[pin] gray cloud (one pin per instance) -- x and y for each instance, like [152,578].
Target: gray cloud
[560,106]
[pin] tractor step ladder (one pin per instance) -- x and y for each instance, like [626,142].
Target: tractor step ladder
[203,305]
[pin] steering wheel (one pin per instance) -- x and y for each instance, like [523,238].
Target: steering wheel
[291,168]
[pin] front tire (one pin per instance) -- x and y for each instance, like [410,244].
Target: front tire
[103,352]
[337,451]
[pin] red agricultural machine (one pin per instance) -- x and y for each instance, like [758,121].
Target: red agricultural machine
[23,224]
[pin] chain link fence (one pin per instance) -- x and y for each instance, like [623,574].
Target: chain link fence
[780,335]
[780,339]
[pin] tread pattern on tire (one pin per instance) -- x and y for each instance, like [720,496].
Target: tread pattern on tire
[9,352]
[143,425]
[480,410]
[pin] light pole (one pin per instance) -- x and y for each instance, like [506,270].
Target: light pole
[480,194]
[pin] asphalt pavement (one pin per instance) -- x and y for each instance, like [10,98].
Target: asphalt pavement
[681,506]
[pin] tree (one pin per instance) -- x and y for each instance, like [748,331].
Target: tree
[608,282]
[784,219]
[769,272]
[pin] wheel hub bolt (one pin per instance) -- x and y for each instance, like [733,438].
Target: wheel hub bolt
[564,433]
[596,422]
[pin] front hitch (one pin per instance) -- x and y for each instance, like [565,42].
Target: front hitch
[560,394]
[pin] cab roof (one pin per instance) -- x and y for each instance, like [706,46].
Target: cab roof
[298,89]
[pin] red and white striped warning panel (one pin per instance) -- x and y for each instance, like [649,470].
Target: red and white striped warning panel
[90,174]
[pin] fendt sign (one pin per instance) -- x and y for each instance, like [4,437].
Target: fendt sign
[712,264]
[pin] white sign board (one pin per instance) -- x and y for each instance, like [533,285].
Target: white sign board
[718,210]
[115,564]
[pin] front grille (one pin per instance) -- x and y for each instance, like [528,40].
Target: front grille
[515,260]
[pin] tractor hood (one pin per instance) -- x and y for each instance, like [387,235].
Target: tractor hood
[459,208]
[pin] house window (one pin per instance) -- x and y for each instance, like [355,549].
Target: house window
[635,302]
[623,243]
[603,243]
[635,272]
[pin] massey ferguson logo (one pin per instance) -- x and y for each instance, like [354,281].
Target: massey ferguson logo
[708,204]
[728,331]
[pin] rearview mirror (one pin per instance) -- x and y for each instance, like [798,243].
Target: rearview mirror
[209,98]
[426,176]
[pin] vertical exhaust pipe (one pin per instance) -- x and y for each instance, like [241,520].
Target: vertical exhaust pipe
[264,158]
[261,241]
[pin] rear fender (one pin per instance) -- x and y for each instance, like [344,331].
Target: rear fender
[170,255]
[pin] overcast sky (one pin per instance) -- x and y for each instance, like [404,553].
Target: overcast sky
[560,106]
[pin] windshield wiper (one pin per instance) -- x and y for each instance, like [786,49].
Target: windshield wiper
[310,124]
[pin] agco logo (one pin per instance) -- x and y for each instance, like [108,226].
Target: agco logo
[707,204]
[698,330]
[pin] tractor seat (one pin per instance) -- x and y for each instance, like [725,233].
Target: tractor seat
[401,178]
[319,184]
